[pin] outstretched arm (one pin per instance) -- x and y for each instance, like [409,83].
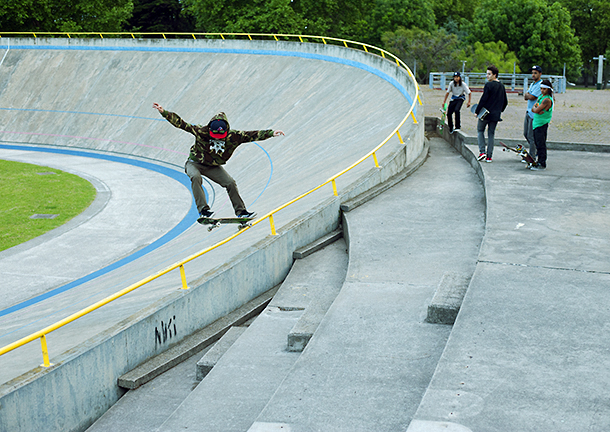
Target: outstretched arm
[175,119]
[158,108]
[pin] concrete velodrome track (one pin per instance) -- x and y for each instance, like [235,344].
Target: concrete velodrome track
[86,107]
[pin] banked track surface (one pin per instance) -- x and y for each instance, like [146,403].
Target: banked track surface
[98,97]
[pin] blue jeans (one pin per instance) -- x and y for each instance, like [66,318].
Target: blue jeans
[491,131]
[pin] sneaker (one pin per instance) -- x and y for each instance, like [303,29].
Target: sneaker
[481,156]
[488,160]
[206,213]
[455,130]
[245,214]
[537,167]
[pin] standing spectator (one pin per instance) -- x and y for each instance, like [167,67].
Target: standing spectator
[494,101]
[531,96]
[543,111]
[458,90]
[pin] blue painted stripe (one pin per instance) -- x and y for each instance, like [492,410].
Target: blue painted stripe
[312,56]
[82,112]
[182,226]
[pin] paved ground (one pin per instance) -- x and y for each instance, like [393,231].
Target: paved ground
[580,115]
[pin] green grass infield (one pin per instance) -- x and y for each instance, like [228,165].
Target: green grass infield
[36,199]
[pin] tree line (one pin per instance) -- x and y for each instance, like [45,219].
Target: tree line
[429,35]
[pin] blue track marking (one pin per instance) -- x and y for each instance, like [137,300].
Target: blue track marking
[180,177]
[182,226]
[82,113]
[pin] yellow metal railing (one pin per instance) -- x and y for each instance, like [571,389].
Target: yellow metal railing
[41,334]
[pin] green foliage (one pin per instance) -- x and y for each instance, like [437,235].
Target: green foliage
[160,16]
[433,51]
[336,18]
[538,32]
[548,32]
[389,15]
[240,16]
[65,16]
[454,10]
[24,193]
[591,24]
[496,53]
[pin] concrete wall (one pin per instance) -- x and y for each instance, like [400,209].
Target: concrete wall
[82,385]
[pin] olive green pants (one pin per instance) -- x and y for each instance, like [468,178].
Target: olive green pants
[218,175]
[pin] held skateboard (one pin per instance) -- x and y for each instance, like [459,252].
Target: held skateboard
[520,150]
[482,114]
[443,110]
[216,222]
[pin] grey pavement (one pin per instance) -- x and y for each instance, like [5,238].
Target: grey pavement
[529,349]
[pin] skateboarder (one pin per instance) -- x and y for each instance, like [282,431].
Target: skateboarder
[215,143]
[458,90]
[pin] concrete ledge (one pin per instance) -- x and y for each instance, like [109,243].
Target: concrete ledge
[448,299]
[380,188]
[195,342]
[209,360]
[318,244]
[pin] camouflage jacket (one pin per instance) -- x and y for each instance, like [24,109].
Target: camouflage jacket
[211,151]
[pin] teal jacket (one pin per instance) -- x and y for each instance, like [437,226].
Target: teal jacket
[211,151]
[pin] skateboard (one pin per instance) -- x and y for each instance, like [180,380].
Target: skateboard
[217,222]
[443,117]
[520,150]
[482,114]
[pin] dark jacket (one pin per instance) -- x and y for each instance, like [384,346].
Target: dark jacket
[211,151]
[494,100]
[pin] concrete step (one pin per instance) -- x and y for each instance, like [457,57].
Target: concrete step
[209,360]
[311,286]
[447,300]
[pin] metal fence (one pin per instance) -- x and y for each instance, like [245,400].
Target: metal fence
[512,82]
